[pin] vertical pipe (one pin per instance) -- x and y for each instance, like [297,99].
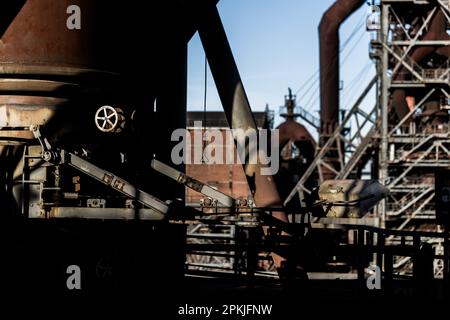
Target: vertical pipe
[383,72]
[329,63]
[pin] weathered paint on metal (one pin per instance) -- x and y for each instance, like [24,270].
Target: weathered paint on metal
[329,62]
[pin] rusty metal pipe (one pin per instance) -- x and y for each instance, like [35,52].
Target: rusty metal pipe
[329,63]
[437,31]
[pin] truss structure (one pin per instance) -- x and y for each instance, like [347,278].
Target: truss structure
[411,151]
[404,153]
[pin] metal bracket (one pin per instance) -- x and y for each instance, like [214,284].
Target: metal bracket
[193,184]
[114,182]
[47,153]
[105,177]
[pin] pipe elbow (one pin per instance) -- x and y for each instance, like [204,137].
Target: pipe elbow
[329,24]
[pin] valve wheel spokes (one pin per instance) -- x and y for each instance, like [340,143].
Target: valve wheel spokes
[106,119]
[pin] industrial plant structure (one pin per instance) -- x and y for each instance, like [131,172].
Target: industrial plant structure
[87,178]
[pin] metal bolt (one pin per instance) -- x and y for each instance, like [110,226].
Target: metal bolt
[47,156]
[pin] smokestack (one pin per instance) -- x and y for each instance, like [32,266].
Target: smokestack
[329,63]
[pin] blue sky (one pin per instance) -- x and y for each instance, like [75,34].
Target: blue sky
[275,45]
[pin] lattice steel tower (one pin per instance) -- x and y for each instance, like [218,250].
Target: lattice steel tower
[405,138]
[413,47]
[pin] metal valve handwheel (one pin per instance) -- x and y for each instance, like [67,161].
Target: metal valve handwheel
[107,119]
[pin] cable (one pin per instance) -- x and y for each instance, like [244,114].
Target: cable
[310,103]
[205,92]
[311,86]
[315,75]
[307,105]
[358,27]
[355,84]
[357,78]
[205,107]
[344,60]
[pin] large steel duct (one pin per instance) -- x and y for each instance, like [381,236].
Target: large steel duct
[47,68]
[236,106]
[329,63]
[57,77]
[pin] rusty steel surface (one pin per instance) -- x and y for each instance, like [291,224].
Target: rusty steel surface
[100,63]
[56,78]
[291,130]
[38,35]
[293,135]
[43,64]
[329,62]
[111,36]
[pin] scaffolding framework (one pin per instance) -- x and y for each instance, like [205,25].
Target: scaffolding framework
[411,151]
[407,152]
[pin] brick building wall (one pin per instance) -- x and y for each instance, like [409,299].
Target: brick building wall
[227,178]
